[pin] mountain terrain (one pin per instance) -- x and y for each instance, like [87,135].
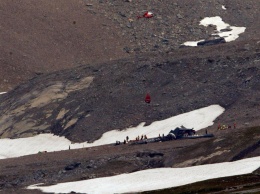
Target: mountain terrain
[81,68]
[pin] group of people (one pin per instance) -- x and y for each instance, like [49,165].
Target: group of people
[138,138]
[222,127]
[126,140]
[161,136]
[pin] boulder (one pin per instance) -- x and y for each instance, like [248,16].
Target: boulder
[211,42]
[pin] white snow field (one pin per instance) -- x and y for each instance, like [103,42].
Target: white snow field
[11,148]
[154,179]
[2,93]
[197,119]
[217,21]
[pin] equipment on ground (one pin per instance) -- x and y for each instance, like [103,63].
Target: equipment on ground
[178,133]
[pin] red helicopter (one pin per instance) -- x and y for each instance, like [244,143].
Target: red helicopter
[147,14]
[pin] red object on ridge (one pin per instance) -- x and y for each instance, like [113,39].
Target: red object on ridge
[147,14]
[147,98]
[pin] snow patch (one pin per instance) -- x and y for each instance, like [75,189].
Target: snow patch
[224,7]
[217,21]
[229,33]
[154,179]
[32,145]
[197,119]
[192,43]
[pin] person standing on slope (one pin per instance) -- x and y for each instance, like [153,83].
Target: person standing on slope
[147,98]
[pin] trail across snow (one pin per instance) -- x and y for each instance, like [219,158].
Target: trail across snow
[198,119]
[154,179]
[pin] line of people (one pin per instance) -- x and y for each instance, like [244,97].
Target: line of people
[138,138]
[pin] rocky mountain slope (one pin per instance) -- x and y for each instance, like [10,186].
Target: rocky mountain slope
[81,68]
[84,103]
[46,36]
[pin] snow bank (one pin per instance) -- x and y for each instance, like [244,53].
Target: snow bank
[192,43]
[154,179]
[230,33]
[31,145]
[197,119]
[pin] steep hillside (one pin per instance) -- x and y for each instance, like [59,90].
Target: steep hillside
[45,36]
[176,22]
[80,68]
[84,103]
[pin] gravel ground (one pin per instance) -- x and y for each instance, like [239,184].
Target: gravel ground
[51,47]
